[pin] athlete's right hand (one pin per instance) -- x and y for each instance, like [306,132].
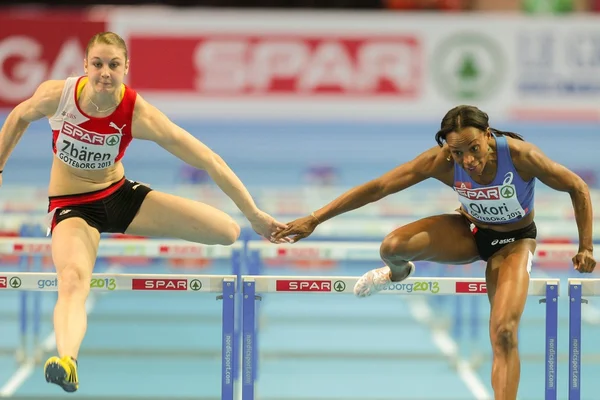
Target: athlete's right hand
[298,229]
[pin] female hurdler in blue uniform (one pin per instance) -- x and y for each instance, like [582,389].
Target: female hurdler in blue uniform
[493,174]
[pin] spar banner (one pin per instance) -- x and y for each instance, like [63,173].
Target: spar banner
[387,65]
[41,45]
[326,65]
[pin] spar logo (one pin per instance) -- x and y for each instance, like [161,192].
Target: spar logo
[284,64]
[468,66]
[14,282]
[166,284]
[507,191]
[501,192]
[159,284]
[471,287]
[185,250]
[84,135]
[309,285]
[32,248]
[113,140]
[312,253]
[491,193]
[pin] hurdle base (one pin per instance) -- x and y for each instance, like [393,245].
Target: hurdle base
[21,356]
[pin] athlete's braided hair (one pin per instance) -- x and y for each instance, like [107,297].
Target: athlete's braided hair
[467,116]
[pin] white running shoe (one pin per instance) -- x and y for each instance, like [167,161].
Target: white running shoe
[376,280]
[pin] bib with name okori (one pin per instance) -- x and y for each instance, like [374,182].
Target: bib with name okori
[492,204]
[84,149]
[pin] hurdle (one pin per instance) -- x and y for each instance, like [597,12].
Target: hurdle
[577,289]
[254,285]
[224,286]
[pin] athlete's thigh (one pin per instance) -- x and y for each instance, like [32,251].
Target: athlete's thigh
[166,215]
[507,278]
[442,238]
[75,246]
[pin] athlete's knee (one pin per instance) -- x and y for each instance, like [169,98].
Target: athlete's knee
[395,247]
[72,280]
[230,233]
[505,337]
[224,230]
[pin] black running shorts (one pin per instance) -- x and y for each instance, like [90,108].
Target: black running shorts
[108,210]
[489,241]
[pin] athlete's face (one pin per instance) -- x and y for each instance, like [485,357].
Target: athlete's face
[106,67]
[470,149]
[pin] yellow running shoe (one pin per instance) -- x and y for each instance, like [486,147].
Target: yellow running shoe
[63,372]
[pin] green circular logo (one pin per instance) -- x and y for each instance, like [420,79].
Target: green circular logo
[113,140]
[195,285]
[468,66]
[15,282]
[507,192]
[339,286]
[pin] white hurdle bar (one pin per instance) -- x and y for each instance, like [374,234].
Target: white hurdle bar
[109,282]
[253,285]
[151,248]
[369,251]
[225,285]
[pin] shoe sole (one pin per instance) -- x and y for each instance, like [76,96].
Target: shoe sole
[56,374]
[412,270]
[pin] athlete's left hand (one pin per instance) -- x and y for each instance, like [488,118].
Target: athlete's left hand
[267,226]
[584,261]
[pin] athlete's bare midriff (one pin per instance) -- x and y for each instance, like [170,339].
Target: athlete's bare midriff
[66,180]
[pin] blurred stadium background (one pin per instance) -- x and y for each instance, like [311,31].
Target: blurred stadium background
[304,99]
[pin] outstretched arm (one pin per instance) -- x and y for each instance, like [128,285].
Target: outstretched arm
[533,162]
[43,103]
[396,180]
[151,124]
[429,164]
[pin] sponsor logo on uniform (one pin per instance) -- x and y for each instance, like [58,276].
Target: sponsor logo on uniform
[492,204]
[81,148]
[502,241]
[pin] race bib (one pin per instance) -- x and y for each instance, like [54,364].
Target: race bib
[492,204]
[84,149]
